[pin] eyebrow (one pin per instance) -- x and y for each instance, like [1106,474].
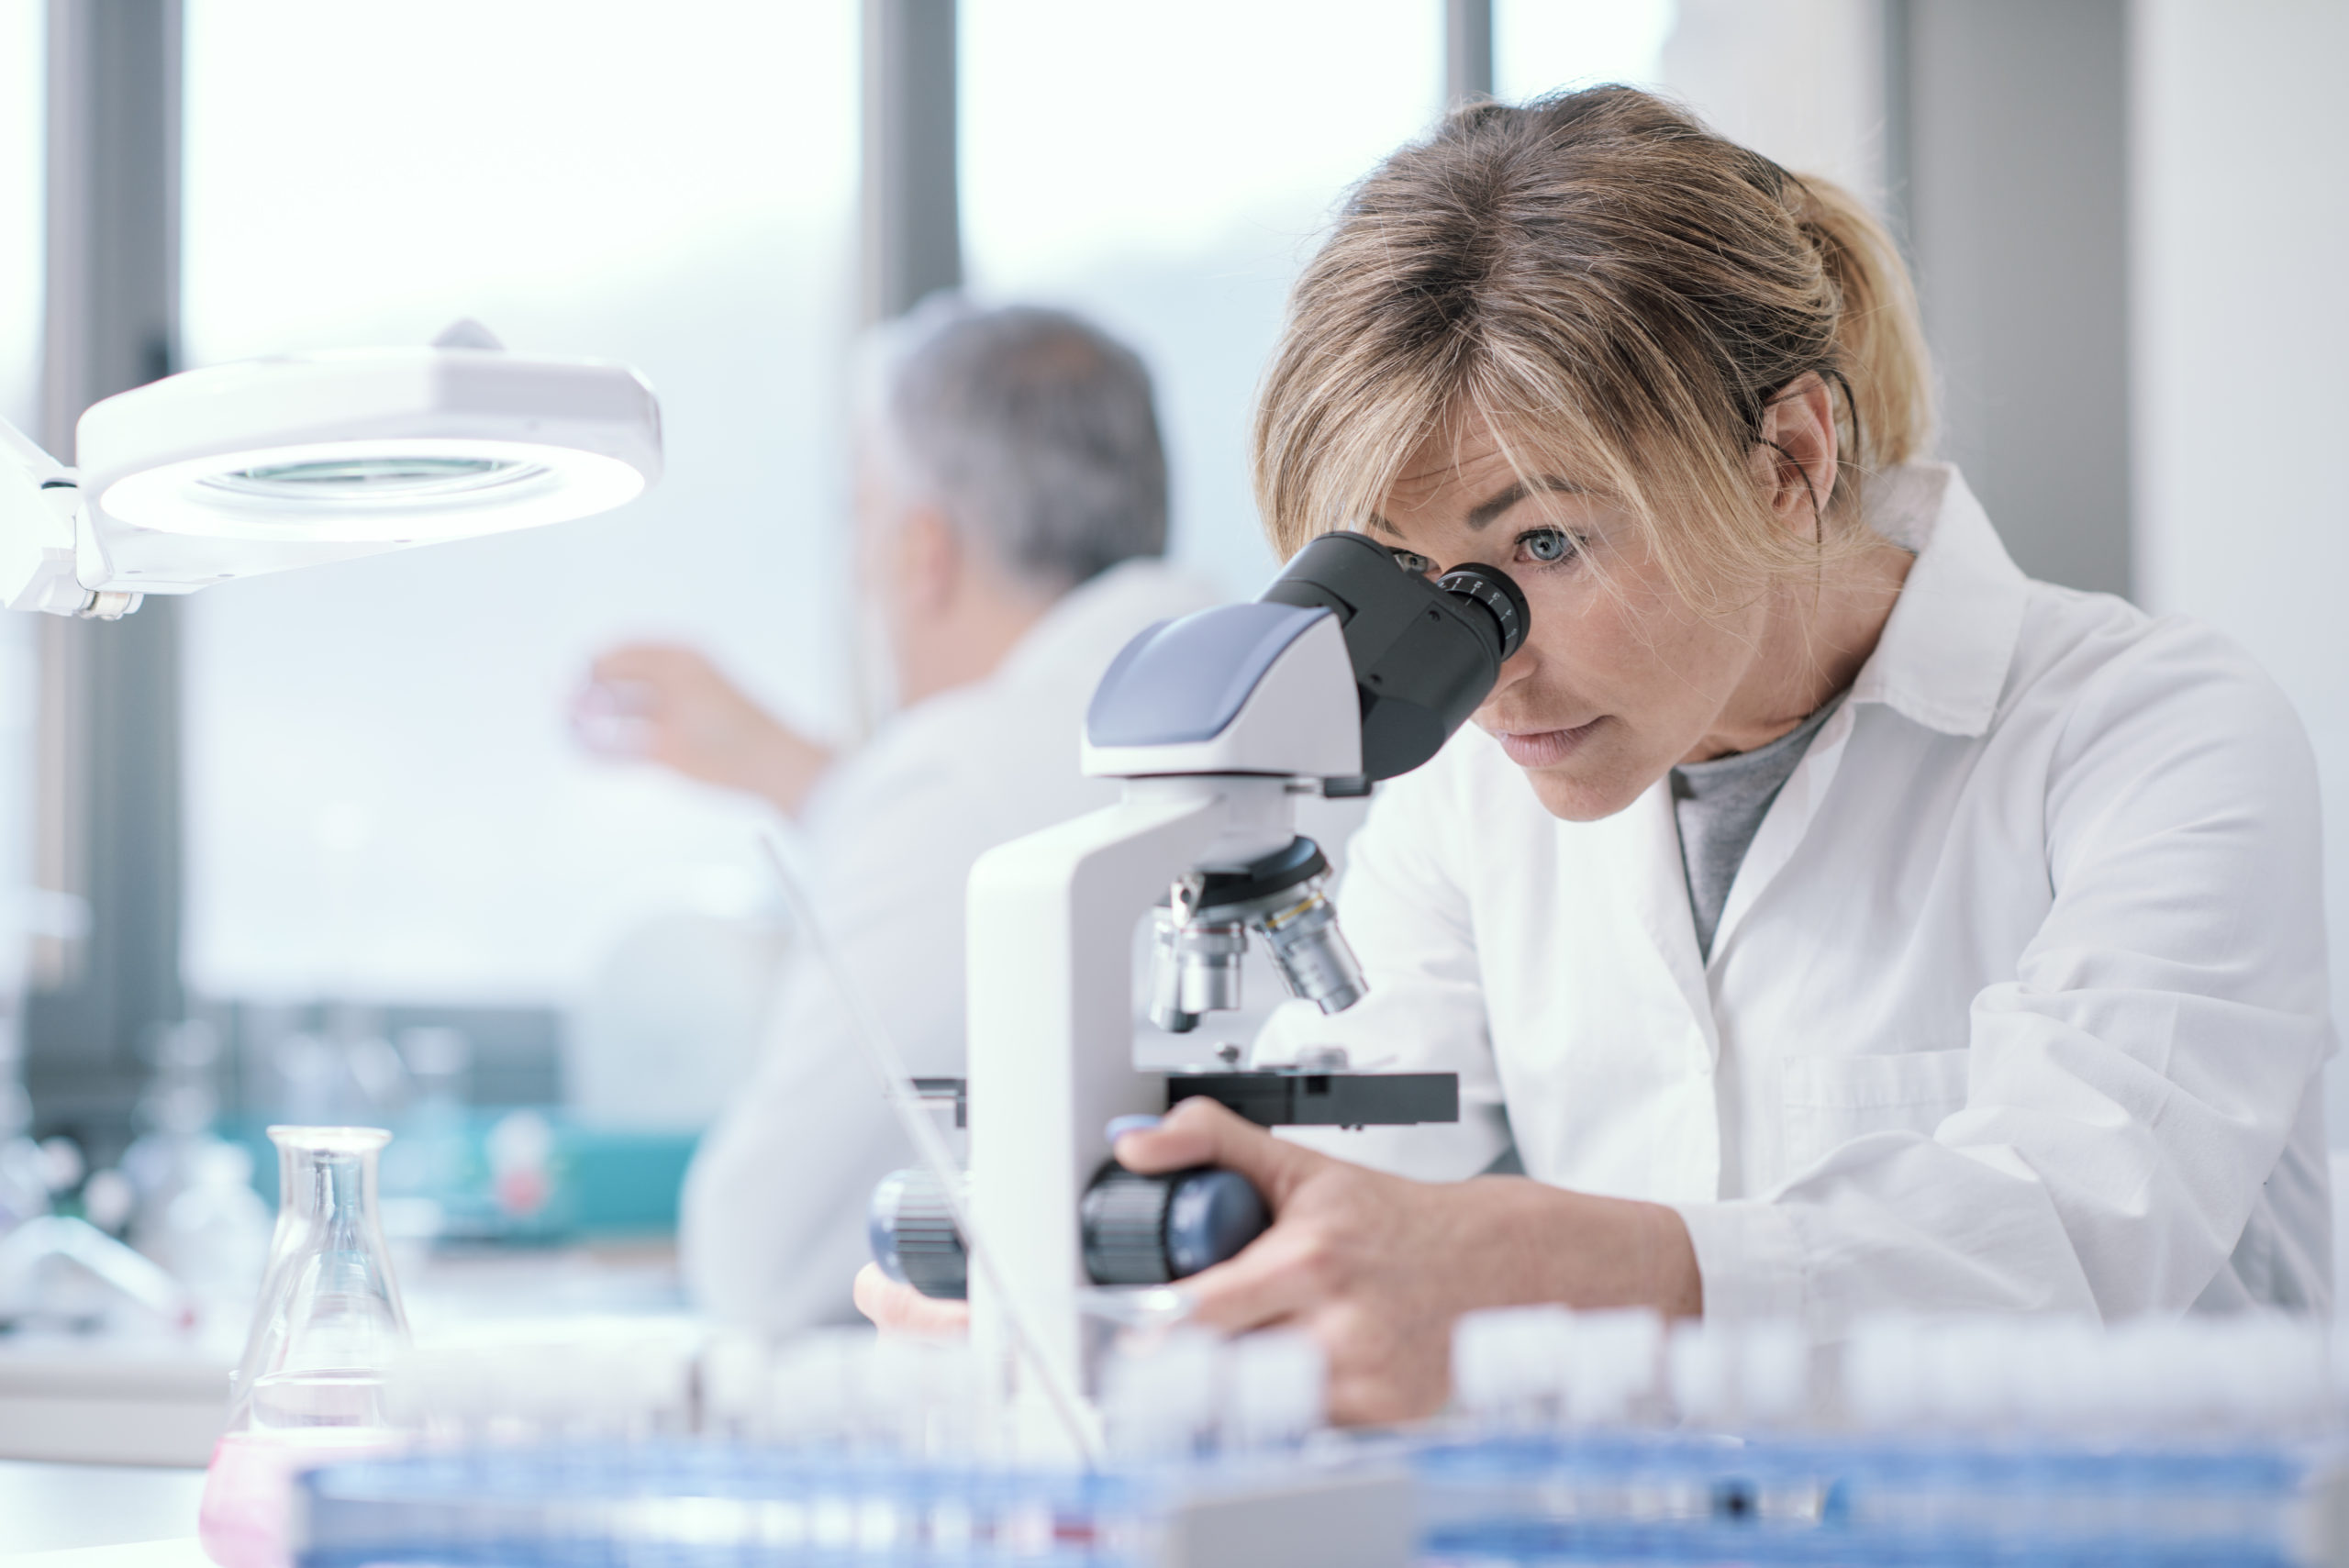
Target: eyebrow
[1480,516]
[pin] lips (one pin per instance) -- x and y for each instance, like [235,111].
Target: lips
[1545,748]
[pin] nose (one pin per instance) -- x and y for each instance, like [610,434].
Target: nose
[1519,666]
[1517,669]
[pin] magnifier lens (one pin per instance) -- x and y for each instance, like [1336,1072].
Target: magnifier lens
[358,481]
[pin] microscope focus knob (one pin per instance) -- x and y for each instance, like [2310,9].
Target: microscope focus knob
[1136,1229]
[1152,1229]
[911,1228]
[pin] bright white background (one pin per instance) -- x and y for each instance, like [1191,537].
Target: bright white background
[2239,337]
[1164,169]
[384,800]
[1167,169]
[1540,45]
[23,107]
[22,101]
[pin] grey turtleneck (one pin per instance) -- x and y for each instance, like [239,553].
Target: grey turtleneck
[1720,806]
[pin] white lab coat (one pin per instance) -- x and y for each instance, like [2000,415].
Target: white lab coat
[2018,1000]
[772,1225]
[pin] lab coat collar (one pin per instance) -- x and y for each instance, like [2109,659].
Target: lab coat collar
[1942,661]
[1943,655]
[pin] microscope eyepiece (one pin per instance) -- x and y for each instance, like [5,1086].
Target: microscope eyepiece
[1501,597]
[1425,653]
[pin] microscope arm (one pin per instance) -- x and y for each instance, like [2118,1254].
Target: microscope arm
[1349,670]
[1051,930]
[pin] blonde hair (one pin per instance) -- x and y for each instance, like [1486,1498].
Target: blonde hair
[1618,295]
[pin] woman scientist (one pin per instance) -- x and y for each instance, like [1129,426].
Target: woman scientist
[1834,919]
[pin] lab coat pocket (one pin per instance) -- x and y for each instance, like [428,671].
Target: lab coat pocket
[1827,1101]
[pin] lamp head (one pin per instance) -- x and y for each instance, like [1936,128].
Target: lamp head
[243,469]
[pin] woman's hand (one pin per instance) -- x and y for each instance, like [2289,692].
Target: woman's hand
[898,1308]
[1379,1268]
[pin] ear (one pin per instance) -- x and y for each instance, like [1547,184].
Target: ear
[1793,460]
[931,561]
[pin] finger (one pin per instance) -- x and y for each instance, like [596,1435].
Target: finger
[629,661]
[898,1308]
[650,662]
[1201,1133]
[1274,1278]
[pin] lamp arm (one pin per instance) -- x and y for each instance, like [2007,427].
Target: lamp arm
[22,453]
[41,524]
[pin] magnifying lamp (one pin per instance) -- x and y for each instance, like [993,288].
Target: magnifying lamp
[268,465]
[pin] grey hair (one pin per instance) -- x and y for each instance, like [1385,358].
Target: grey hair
[1032,430]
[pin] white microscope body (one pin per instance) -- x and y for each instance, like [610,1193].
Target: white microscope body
[1053,918]
[1217,723]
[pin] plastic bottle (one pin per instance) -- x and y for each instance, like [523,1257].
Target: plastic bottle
[311,1386]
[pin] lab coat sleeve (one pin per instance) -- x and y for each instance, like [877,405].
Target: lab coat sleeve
[2135,1083]
[1407,921]
[771,1224]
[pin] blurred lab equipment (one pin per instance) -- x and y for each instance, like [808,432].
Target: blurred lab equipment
[24,1191]
[195,1212]
[521,1155]
[426,1167]
[1351,668]
[213,1234]
[326,1334]
[1574,1438]
[840,1447]
[269,464]
[59,1270]
[1590,1436]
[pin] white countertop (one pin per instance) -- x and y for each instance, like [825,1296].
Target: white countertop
[182,1553]
[58,1508]
[161,1400]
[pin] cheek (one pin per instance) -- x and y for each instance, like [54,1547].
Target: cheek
[1592,653]
[1643,656]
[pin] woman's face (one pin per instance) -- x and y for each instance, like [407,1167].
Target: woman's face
[1619,680]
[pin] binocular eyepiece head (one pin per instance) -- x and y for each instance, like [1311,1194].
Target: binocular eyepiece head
[1425,652]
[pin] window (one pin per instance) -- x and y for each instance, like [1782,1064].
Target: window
[1165,170]
[23,100]
[23,103]
[384,800]
[1540,45]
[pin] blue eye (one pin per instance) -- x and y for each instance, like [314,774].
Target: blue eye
[1546,545]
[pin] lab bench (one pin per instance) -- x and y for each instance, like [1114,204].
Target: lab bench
[160,1401]
[72,1507]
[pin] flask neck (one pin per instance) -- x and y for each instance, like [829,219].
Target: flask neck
[333,1189]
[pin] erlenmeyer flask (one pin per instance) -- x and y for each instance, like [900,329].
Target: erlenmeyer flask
[310,1388]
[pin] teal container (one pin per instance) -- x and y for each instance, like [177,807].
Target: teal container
[586,1183]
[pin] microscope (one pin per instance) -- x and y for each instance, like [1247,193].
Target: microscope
[1356,664]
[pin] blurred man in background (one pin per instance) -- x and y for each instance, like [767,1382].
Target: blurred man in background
[1011,514]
